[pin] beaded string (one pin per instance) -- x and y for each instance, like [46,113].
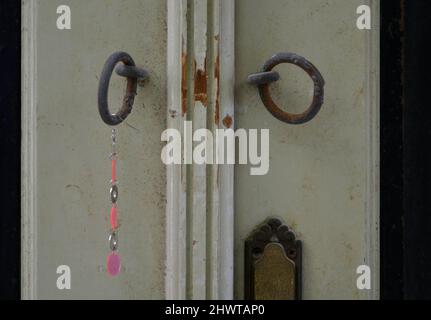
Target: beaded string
[113,261]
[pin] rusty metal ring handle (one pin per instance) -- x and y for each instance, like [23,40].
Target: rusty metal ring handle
[263,79]
[128,70]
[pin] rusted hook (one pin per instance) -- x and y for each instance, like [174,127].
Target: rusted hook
[267,76]
[128,70]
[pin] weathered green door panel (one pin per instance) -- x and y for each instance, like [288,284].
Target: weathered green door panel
[73,147]
[322,175]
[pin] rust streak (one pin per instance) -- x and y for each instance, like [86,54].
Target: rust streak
[217,77]
[201,78]
[227,121]
[184,84]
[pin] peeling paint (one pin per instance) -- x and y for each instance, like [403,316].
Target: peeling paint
[173,113]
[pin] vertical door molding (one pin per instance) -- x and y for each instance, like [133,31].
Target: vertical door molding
[372,102]
[198,201]
[29,151]
[225,277]
[175,279]
[199,217]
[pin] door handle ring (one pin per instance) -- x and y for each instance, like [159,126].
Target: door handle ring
[267,76]
[128,70]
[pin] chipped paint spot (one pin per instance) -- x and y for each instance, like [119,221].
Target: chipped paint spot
[307,184]
[227,121]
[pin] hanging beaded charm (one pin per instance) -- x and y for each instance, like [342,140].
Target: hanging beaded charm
[113,261]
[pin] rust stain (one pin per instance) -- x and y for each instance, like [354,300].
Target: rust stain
[217,77]
[184,84]
[201,78]
[227,121]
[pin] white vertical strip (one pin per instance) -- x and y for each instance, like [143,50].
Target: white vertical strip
[29,151]
[199,210]
[226,172]
[175,280]
[372,85]
[214,124]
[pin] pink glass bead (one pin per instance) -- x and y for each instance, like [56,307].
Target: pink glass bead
[114,221]
[113,174]
[113,264]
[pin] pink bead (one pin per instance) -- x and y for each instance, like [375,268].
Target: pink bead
[114,221]
[113,174]
[113,264]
